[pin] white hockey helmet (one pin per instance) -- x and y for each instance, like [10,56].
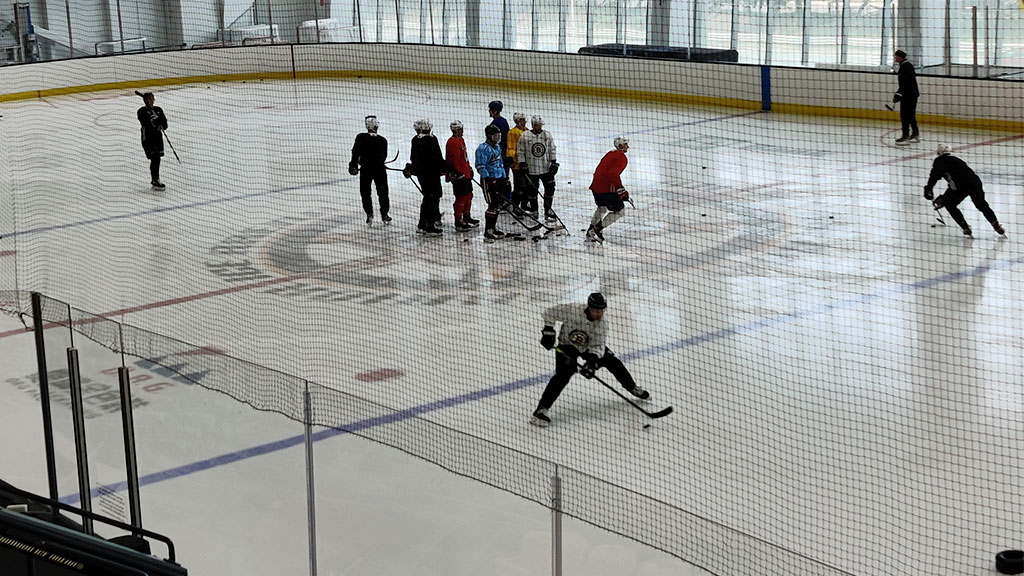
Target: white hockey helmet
[943,149]
[518,116]
[422,126]
[621,141]
[456,126]
[372,124]
[534,120]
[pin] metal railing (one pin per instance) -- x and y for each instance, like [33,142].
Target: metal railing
[120,42]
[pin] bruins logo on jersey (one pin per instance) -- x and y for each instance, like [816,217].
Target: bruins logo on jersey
[579,338]
[538,149]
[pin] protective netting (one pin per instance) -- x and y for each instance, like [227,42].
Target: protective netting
[844,368]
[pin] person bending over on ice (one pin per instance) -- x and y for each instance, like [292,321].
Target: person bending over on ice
[582,335]
[609,194]
[153,124]
[491,167]
[962,182]
[369,154]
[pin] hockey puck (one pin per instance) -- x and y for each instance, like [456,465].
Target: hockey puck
[934,225]
[536,238]
[519,238]
[647,426]
[1010,562]
[703,215]
[703,167]
[465,239]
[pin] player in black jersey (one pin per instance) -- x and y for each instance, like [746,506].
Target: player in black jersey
[369,154]
[153,124]
[962,182]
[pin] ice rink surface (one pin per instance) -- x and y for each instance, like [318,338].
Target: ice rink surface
[845,375]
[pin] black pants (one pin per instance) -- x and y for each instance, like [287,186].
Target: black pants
[154,167]
[952,198]
[908,116]
[566,365]
[430,208]
[496,193]
[378,177]
[534,182]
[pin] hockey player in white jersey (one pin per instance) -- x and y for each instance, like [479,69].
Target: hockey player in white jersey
[582,335]
[536,151]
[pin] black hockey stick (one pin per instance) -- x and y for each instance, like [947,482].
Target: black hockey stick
[393,159]
[506,207]
[536,189]
[171,145]
[890,108]
[652,415]
[402,170]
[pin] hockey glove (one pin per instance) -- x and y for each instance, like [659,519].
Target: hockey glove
[896,97]
[928,193]
[554,168]
[590,366]
[407,171]
[353,168]
[623,194]
[547,340]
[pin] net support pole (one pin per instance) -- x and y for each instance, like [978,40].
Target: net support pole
[130,456]
[120,25]
[988,45]
[844,33]
[316,19]
[974,38]
[556,524]
[81,454]
[562,15]
[734,26]
[310,488]
[71,41]
[947,53]
[270,19]
[44,394]
[805,41]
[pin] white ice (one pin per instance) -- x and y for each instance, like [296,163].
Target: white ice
[846,376]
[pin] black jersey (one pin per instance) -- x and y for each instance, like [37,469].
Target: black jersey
[426,159]
[956,172]
[370,151]
[152,121]
[908,81]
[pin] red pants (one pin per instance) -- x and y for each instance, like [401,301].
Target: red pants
[463,190]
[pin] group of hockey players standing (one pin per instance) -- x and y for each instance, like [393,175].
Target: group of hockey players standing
[529,154]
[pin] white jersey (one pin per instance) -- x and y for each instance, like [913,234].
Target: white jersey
[536,152]
[585,334]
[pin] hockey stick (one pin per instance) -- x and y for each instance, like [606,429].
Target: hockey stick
[890,108]
[536,190]
[414,182]
[652,415]
[171,145]
[393,159]
[506,207]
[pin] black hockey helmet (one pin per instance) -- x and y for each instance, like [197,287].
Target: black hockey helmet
[496,105]
[596,301]
[491,129]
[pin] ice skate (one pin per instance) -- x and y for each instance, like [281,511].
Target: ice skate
[540,418]
[429,232]
[492,234]
[915,139]
[967,231]
[903,141]
[550,216]
[999,228]
[157,185]
[462,226]
[369,219]
[470,221]
[594,234]
[385,218]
